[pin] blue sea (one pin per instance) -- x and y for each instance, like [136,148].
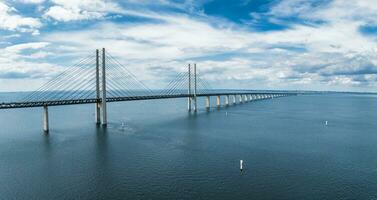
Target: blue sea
[157,150]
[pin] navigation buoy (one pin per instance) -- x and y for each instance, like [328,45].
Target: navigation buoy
[326,123]
[241,167]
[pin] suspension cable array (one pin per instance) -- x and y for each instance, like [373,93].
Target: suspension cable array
[179,84]
[79,82]
[121,82]
[76,82]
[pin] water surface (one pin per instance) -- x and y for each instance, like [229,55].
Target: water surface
[163,152]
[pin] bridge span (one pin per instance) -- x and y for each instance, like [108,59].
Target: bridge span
[102,79]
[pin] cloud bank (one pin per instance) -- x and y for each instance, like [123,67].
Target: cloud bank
[313,45]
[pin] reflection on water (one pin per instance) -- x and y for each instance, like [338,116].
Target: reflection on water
[156,150]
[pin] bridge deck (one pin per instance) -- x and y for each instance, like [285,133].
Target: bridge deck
[114,99]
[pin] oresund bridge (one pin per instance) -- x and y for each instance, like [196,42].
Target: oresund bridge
[101,79]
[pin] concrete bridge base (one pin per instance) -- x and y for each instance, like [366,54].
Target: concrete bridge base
[208,103]
[45,119]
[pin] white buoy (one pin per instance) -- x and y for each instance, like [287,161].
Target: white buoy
[326,123]
[241,167]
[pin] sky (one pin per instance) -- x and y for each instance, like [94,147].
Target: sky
[245,44]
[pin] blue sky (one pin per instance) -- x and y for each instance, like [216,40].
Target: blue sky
[256,44]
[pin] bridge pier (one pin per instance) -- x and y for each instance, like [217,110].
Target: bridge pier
[45,119]
[98,113]
[195,105]
[240,98]
[208,103]
[234,99]
[189,104]
[226,100]
[218,101]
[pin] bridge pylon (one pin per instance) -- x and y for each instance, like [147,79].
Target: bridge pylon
[195,81]
[98,95]
[103,91]
[189,103]
[192,92]
[100,105]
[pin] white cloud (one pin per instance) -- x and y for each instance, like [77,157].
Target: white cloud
[20,47]
[31,1]
[18,73]
[10,20]
[72,10]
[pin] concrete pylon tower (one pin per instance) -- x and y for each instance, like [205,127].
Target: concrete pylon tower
[191,100]
[98,95]
[189,89]
[195,80]
[103,89]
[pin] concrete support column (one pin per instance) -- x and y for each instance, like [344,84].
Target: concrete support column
[208,101]
[245,98]
[98,106]
[195,99]
[189,104]
[240,98]
[189,100]
[45,119]
[103,91]
[226,100]
[218,101]
[250,98]
[234,99]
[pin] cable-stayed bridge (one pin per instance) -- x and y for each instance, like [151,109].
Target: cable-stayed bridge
[101,79]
